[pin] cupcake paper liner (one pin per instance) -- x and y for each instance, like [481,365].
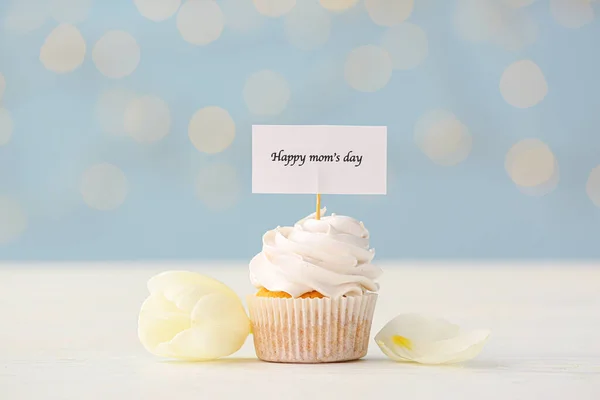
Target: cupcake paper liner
[311,330]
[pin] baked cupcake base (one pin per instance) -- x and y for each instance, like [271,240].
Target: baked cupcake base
[311,330]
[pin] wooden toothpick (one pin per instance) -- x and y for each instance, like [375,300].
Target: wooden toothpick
[318,215]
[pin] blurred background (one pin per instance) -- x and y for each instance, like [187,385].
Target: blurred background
[125,125]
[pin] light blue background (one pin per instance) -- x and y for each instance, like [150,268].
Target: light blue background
[472,210]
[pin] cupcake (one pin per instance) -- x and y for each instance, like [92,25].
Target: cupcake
[316,291]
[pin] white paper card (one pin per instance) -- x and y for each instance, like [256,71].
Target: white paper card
[319,159]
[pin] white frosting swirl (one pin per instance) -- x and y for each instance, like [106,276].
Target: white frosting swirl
[330,255]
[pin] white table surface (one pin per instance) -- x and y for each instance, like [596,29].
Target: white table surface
[69,332]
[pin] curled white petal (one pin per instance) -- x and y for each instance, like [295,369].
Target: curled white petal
[193,317]
[426,340]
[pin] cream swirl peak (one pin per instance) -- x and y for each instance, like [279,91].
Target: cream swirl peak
[330,255]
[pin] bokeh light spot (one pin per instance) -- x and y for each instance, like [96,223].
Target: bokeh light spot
[389,12]
[530,163]
[211,130]
[443,138]
[545,188]
[368,68]
[266,93]
[147,119]
[307,26]
[64,49]
[157,10]
[104,187]
[592,187]
[25,16]
[407,45]
[523,84]
[516,31]
[503,23]
[117,54]
[274,8]
[572,13]
[476,20]
[338,5]
[200,22]
[13,220]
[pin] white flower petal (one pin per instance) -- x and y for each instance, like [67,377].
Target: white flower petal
[426,340]
[159,321]
[424,327]
[461,348]
[217,307]
[473,343]
[185,288]
[193,317]
[200,344]
[390,353]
